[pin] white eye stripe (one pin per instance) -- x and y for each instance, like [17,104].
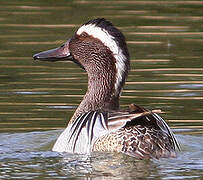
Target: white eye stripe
[100,34]
[108,41]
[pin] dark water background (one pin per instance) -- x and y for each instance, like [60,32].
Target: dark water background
[165,40]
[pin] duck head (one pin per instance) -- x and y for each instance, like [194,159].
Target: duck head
[99,48]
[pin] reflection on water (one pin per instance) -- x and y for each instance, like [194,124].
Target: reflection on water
[27,156]
[165,42]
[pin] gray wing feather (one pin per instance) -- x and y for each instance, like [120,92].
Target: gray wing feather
[76,128]
[95,123]
[164,127]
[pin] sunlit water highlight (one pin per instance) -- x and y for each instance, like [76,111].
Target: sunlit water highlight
[28,155]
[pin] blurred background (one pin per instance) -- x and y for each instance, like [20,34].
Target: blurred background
[37,99]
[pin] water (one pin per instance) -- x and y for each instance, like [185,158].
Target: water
[38,98]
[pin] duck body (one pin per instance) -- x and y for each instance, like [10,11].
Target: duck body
[98,124]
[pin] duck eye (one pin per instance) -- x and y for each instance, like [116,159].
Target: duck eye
[84,35]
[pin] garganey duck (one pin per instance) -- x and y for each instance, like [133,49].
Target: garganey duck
[98,124]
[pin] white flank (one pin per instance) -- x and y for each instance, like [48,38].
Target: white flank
[109,42]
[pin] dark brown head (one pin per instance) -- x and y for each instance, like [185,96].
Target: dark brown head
[97,46]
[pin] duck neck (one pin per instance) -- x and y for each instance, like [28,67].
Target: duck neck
[101,93]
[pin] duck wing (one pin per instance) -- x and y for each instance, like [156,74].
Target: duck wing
[88,127]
